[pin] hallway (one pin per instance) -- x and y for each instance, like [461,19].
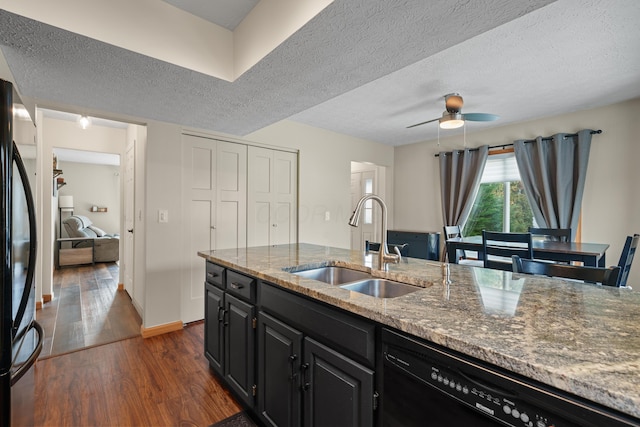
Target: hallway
[87,310]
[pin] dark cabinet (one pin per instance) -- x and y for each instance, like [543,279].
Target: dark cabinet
[296,362]
[422,245]
[279,356]
[239,353]
[214,327]
[337,390]
[303,381]
[230,321]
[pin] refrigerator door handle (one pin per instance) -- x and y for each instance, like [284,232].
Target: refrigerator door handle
[24,367]
[32,241]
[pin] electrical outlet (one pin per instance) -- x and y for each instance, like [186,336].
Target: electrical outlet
[163,215]
[327,216]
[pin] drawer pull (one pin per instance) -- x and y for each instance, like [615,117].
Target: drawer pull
[212,275]
[235,285]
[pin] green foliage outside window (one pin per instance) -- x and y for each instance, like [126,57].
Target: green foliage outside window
[488,208]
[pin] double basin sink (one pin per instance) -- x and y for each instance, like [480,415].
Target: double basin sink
[358,281]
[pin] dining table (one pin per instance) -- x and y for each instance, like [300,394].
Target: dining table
[590,254]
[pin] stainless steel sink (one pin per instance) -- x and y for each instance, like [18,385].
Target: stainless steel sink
[380,288]
[333,275]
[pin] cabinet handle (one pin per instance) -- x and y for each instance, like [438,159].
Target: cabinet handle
[292,360]
[212,275]
[306,384]
[220,313]
[235,285]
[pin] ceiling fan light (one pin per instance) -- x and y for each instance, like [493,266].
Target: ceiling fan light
[451,123]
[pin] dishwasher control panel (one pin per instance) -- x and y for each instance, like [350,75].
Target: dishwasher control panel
[446,381]
[490,400]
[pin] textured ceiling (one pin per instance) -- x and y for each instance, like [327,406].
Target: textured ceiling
[366,68]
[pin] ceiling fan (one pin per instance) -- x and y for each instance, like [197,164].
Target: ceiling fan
[453,117]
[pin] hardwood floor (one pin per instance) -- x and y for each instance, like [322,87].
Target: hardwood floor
[159,381]
[87,310]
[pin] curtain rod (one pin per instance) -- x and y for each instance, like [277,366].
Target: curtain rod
[491,147]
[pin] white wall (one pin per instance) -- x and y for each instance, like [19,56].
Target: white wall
[90,185]
[324,185]
[611,204]
[325,176]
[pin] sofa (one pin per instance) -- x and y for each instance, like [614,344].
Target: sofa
[106,247]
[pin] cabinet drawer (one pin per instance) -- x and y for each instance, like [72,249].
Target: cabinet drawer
[215,275]
[241,286]
[353,336]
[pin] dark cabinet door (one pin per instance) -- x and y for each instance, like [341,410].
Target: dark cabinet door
[239,365]
[337,390]
[214,327]
[279,356]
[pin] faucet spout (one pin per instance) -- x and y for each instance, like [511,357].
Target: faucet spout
[384,256]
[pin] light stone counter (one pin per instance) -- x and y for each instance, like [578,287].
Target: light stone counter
[584,339]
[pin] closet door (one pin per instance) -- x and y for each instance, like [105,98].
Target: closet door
[272,213]
[214,188]
[231,196]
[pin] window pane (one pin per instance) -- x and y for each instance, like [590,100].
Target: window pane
[489,207]
[368,185]
[520,214]
[368,216]
[487,211]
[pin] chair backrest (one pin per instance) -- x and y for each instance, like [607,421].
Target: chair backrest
[498,248]
[626,258]
[451,231]
[606,276]
[557,234]
[391,247]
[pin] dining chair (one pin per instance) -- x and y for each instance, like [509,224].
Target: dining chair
[608,276]
[626,258]
[403,249]
[556,234]
[462,256]
[498,248]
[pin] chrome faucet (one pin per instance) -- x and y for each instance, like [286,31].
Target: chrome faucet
[384,256]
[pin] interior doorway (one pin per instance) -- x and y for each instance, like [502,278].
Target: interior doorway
[91,160]
[366,178]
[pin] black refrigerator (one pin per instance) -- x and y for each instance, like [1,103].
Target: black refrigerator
[20,335]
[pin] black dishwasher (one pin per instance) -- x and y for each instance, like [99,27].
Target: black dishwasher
[428,385]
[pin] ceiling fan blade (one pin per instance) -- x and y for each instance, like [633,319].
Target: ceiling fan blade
[423,123]
[480,117]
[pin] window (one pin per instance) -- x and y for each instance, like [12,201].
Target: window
[368,205]
[501,203]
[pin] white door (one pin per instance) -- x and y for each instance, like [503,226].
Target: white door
[285,195]
[214,189]
[129,216]
[199,198]
[362,183]
[272,197]
[231,196]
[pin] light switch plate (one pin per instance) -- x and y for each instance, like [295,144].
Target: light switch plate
[163,215]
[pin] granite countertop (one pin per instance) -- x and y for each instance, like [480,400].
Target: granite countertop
[583,339]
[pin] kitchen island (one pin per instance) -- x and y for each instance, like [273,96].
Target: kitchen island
[582,339]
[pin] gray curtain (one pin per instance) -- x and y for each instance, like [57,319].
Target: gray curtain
[553,172]
[460,174]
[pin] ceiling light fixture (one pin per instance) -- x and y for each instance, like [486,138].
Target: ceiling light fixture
[84,122]
[451,121]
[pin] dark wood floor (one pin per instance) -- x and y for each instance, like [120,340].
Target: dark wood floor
[159,381]
[87,310]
